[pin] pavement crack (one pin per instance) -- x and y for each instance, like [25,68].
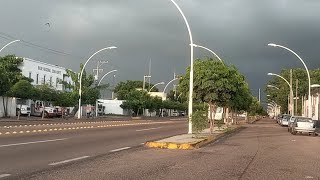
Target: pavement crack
[252,159]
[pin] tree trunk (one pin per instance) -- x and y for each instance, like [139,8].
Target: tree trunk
[43,110]
[19,112]
[212,115]
[4,108]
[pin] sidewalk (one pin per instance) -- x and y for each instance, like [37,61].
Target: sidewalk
[192,141]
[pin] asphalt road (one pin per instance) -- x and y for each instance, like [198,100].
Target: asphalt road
[26,153]
[263,150]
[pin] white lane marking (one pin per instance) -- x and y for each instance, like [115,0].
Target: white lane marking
[69,160]
[34,142]
[120,149]
[4,175]
[148,129]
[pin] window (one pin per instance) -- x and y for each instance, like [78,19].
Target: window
[37,79]
[44,79]
[57,81]
[50,81]
[30,75]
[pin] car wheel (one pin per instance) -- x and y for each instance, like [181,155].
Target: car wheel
[294,132]
[313,134]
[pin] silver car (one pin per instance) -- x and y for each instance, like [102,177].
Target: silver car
[285,119]
[303,125]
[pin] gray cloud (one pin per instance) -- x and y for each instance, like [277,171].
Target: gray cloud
[237,30]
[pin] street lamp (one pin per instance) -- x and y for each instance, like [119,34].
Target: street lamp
[315,85]
[191,67]
[164,90]
[9,44]
[272,86]
[195,45]
[291,91]
[106,75]
[155,85]
[309,79]
[80,78]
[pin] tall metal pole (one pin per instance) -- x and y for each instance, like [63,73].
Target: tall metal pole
[291,95]
[297,81]
[191,67]
[9,44]
[259,95]
[80,78]
[309,113]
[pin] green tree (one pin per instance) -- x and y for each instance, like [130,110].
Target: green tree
[124,88]
[10,74]
[23,90]
[136,101]
[281,96]
[214,83]
[90,92]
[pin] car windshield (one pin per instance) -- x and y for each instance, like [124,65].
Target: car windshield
[286,117]
[304,120]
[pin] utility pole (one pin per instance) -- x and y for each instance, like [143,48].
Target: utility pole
[99,63]
[149,73]
[259,95]
[297,81]
[291,96]
[98,70]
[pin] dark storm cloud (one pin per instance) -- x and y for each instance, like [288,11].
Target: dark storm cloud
[237,30]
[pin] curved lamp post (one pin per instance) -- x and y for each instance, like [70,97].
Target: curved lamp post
[106,75]
[191,67]
[155,85]
[291,91]
[309,90]
[9,44]
[164,90]
[195,45]
[272,86]
[80,78]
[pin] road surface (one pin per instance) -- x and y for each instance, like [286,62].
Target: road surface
[46,146]
[263,150]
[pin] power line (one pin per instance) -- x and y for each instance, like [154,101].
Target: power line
[33,45]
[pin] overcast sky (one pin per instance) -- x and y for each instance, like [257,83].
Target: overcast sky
[237,30]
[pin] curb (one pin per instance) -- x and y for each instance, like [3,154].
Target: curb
[189,146]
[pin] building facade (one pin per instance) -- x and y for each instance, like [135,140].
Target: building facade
[44,73]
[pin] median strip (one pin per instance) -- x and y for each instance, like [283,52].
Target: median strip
[69,160]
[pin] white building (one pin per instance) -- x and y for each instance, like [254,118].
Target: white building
[44,73]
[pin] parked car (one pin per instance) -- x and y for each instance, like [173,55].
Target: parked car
[285,119]
[279,117]
[290,122]
[303,125]
[317,127]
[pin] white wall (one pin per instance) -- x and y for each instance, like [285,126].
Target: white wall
[11,106]
[48,72]
[113,107]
